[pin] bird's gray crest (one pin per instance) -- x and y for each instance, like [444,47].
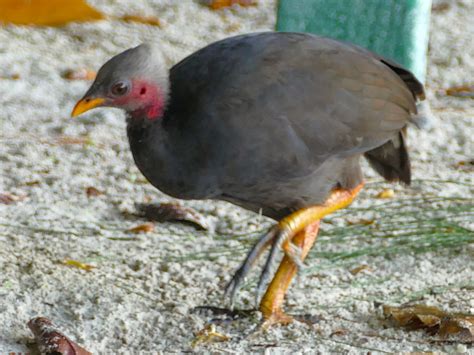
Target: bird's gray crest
[145,61]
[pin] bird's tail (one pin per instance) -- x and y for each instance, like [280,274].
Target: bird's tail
[391,160]
[424,118]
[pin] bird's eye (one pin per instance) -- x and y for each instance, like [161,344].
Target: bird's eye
[119,89]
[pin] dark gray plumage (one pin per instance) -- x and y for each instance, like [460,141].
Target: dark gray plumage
[269,121]
[274,121]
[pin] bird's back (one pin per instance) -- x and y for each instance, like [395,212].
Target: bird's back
[270,110]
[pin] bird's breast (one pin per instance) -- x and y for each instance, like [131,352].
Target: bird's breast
[167,164]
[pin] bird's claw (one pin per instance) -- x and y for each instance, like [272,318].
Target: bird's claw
[240,275]
[232,288]
[280,239]
[295,253]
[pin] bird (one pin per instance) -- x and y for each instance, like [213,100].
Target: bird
[274,122]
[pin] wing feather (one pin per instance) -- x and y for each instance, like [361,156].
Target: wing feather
[286,102]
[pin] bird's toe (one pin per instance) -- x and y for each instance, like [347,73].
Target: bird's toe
[295,253]
[236,282]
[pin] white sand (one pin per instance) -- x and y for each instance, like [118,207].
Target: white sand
[140,295]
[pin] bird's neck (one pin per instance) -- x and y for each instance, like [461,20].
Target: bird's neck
[148,99]
[152,151]
[147,137]
[151,112]
[170,157]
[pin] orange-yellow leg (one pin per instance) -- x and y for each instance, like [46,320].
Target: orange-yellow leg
[301,230]
[272,302]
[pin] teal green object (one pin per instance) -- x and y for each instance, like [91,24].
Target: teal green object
[396,29]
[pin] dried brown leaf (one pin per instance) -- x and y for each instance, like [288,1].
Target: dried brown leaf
[61,140]
[413,316]
[78,264]
[91,191]
[46,12]
[51,341]
[79,74]
[432,319]
[164,212]
[363,221]
[360,268]
[69,140]
[220,4]
[385,194]
[8,198]
[14,76]
[465,165]
[146,20]
[463,325]
[339,332]
[142,228]
[441,7]
[461,91]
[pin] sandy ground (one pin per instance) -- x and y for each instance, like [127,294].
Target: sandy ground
[142,292]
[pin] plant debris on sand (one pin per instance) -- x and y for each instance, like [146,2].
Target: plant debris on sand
[418,244]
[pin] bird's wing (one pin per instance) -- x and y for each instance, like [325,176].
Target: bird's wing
[288,101]
[339,98]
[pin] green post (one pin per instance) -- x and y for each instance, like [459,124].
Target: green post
[396,29]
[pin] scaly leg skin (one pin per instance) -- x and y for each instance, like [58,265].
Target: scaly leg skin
[253,255]
[272,301]
[300,228]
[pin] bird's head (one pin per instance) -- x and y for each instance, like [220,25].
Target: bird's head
[135,80]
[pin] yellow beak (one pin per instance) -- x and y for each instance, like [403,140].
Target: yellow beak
[86,104]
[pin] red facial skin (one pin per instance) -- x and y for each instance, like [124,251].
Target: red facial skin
[144,100]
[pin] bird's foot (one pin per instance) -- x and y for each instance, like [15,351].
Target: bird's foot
[279,239]
[294,235]
[276,318]
[234,285]
[282,241]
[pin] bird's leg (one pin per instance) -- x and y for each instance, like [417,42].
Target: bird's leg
[272,301]
[300,229]
[239,276]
